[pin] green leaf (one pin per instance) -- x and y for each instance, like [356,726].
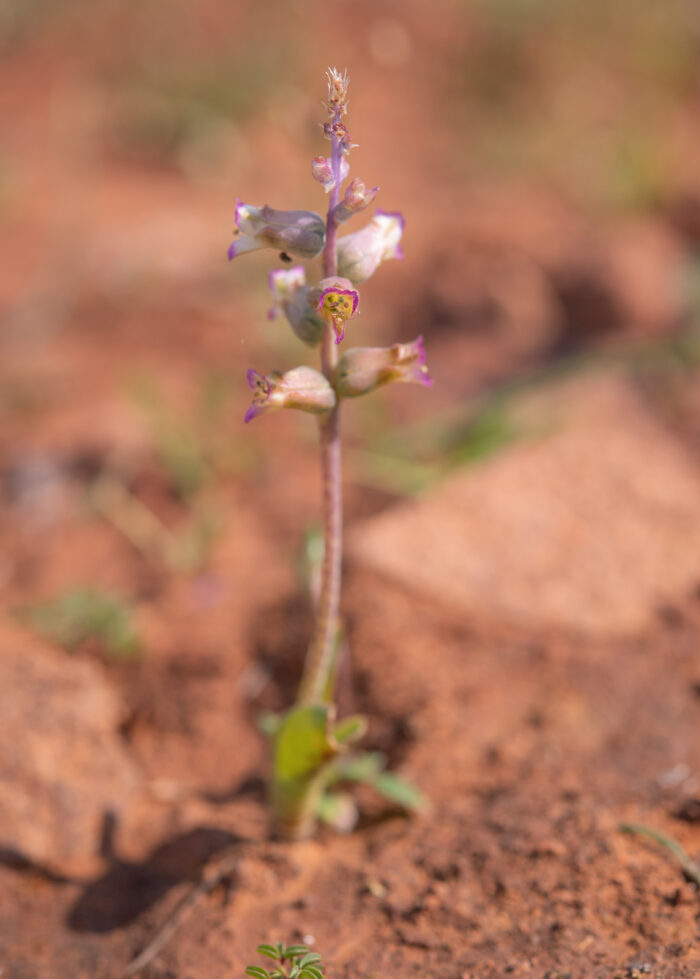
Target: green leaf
[257,972]
[398,790]
[350,729]
[294,972]
[271,951]
[302,745]
[311,958]
[311,971]
[338,810]
[364,767]
[293,950]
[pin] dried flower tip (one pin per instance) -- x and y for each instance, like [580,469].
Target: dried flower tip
[356,199]
[322,171]
[291,297]
[303,388]
[363,369]
[337,302]
[337,92]
[361,253]
[297,232]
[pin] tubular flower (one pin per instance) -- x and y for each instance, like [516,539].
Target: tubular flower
[322,171]
[337,302]
[361,253]
[291,297]
[363,369]
[356,199]
[298,232]
[303,388]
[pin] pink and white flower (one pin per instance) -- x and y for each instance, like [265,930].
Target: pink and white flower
[363,369]
[361,253]
[303,388]
[300,233]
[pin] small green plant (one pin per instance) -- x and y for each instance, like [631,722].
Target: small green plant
[292,962]
[312,747]
[83,614]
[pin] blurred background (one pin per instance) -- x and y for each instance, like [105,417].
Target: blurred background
[545,156]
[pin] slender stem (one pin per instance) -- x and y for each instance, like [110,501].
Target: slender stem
[319,658]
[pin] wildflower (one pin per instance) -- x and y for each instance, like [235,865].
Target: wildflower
[337,302]
[298,232]
[303,388]
[322,171]
[291,297]
[356,199]
[365,368]
[361,253]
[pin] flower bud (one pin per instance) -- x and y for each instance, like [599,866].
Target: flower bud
[298,232]
[339,132]
[337,302]
[363,369]
[291,297]
[356,199]
[322,171]
[361,253]
[303,388]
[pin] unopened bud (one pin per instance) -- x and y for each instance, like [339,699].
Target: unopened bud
[356,199]
[322,171]
[363,369]
[361,253]
[303,388]
[298,232]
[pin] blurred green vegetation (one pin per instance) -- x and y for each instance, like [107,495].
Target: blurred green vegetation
[161,112]
[191,444]
[580,93]
[83,614]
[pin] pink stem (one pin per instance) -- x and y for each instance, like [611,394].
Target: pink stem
[319,659]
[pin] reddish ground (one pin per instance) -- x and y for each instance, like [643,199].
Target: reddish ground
[524,637]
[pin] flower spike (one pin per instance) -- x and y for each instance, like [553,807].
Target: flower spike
[303,388]
[300,233]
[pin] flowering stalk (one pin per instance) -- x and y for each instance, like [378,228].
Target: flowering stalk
[310,745]
[314,683]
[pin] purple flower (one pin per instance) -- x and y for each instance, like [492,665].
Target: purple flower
[303,388]
[365,368]
[361,253]
[298,232]
[291,297]
[337,302]
[356,199]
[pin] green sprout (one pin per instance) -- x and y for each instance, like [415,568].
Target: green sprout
[83,614]
[293,962]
